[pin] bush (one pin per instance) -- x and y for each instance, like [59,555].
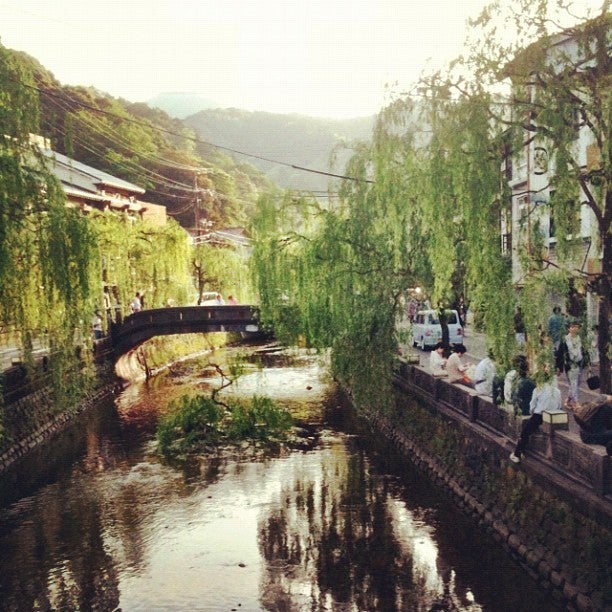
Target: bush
[195,422]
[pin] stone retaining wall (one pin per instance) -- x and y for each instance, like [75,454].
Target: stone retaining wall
[563,451]
[559,527]
[32,420]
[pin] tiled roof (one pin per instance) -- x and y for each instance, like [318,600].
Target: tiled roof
[72,172]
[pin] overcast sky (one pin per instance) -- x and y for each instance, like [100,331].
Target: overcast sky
[317,57]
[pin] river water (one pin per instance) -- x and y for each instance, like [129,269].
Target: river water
[98,521]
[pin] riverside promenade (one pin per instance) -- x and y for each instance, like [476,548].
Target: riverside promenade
[476,344]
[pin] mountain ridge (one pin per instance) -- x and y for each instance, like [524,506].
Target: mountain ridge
[291,139]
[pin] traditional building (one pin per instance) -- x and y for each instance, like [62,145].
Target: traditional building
[530,227]
[89,189]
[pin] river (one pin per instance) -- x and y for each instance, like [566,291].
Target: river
[97,520]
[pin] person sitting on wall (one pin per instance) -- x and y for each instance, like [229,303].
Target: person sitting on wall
[546,396]
[595,419]
[455,368]
[437,362]
[522,390]
[484,375]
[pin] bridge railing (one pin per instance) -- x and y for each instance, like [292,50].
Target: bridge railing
[190,314]
[141,326]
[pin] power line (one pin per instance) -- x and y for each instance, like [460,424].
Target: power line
[195,139]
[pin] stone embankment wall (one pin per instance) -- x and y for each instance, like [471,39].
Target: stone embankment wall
[33,419]
[29,415]
[555,521]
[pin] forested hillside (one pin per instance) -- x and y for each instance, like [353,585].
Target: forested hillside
[295,140]
[147,147]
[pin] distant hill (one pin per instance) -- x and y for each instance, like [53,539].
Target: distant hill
[292,139]
[181,104]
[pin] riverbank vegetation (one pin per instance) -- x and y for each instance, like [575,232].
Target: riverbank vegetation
[197,423]
[57,266]
[425,203]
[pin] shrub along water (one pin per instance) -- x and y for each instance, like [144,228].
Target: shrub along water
[196,423]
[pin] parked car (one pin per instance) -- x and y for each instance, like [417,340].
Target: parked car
[209,298]
[427,331]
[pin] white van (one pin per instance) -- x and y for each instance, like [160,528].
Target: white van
[427,331]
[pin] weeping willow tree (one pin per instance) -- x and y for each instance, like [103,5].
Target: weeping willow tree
[139,256]
[45,249]
[332,275]
[461,205]
[221,268]
[420,209]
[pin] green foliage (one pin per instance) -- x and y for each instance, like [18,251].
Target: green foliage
[223,269]
[45,248]
[196,422]
[262,420]
[142,257]
[190,421]
[427,210]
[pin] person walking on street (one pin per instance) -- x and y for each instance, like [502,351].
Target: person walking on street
[546,396]
[571,359]
[520,333]
[556,328]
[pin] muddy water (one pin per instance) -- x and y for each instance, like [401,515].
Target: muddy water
[100,522]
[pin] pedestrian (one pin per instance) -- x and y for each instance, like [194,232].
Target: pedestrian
[141,297]
[484,374]
[219,300]
[456,368]
[96,325]
[520,333]
[546,396]
[231,300]
[412,309]
[556,328]
[571,359]
[437,362]
[136,304]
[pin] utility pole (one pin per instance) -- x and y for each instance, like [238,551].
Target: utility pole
[196,203]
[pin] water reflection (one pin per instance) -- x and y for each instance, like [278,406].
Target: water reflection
[329,541]
[345,526]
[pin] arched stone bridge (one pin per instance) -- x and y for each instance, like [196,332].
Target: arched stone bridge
[144,325]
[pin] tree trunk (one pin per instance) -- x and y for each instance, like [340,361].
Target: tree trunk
[603,339]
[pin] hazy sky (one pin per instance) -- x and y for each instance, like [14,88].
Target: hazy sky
[317,57]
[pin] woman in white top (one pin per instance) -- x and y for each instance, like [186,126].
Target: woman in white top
[484,375]
[437,363]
